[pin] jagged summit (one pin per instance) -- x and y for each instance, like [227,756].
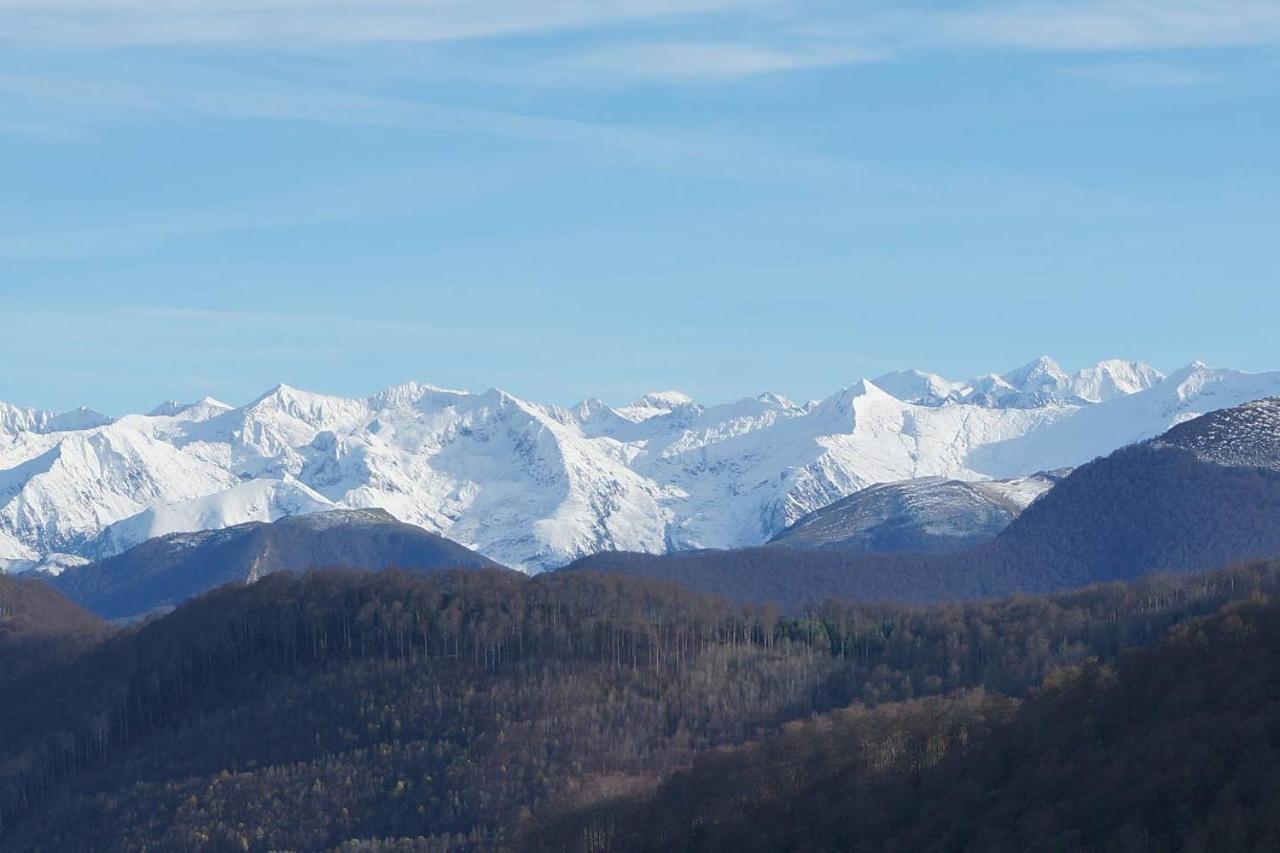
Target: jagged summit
[918,386]
[1042,374]
[769,398]
[15,420]
[657,403]
[1113,378]
[202,409]
[664,400]
[168,409]
[410,394]
[1038,383]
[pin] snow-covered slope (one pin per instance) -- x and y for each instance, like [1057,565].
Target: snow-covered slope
[1097,430]
[535,486]
[265,499]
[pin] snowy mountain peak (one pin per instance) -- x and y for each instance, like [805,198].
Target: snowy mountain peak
[991,390]
[840,412]
[202,409]
[667,400]
[769,398]
[917,386]
[410,394]
[1113,378]
[1043,374]
[305,406]
[1188,381]
[590,408]
[287,398]
[167,409]
[79,418]
[657,403]
[14,420]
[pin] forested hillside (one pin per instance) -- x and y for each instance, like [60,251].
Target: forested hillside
[1144,508]
[39,628]
[461,710]
[1176,747]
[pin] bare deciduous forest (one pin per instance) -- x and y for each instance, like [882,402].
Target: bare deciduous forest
[483,710]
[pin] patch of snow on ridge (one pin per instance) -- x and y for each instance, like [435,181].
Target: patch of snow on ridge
[49,564]
[1247,435]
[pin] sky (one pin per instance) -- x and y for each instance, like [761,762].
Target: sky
[576,198]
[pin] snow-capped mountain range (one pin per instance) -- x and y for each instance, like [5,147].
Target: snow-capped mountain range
[535,486]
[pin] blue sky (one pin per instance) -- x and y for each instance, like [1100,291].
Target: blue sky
[567,198]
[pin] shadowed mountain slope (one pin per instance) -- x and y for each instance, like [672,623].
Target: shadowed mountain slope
[168,570]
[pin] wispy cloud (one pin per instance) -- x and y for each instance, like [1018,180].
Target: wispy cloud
[1108,25]
[1046,26]
[708,153]
[325,22]
[644,40]
[682,61]
[1142,75]
[146,233]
